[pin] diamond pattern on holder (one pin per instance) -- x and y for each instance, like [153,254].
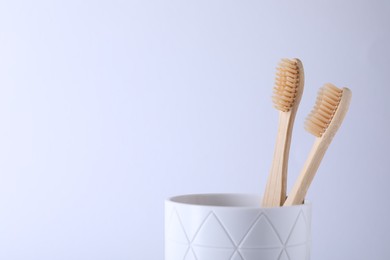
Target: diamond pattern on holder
[284,256]
[236,256]
[238,230]
[298,238]
[261,233]
[177,232]
[212,253]
[214,235]
[264,253]
[190,256]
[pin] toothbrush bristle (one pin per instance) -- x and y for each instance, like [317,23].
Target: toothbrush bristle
[286,84]
[320,117]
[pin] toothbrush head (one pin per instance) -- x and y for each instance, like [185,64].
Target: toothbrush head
[288,84]
[331,102]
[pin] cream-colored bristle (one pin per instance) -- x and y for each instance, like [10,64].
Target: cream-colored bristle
[286,84]
[328,99]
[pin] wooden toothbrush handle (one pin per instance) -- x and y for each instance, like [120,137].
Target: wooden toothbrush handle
[275,190]
[299,190]
[302,184]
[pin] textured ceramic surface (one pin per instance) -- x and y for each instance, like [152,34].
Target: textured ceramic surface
[234,227]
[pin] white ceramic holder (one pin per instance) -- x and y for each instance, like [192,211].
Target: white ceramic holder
[234,227]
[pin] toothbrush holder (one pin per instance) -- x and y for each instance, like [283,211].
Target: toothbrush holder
[235,227]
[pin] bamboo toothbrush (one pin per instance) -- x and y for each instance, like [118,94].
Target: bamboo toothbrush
[323,122]
[287,95]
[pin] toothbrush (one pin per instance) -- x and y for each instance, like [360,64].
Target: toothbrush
[323,122]
[287,95]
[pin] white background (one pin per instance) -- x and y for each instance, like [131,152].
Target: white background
[109,107]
